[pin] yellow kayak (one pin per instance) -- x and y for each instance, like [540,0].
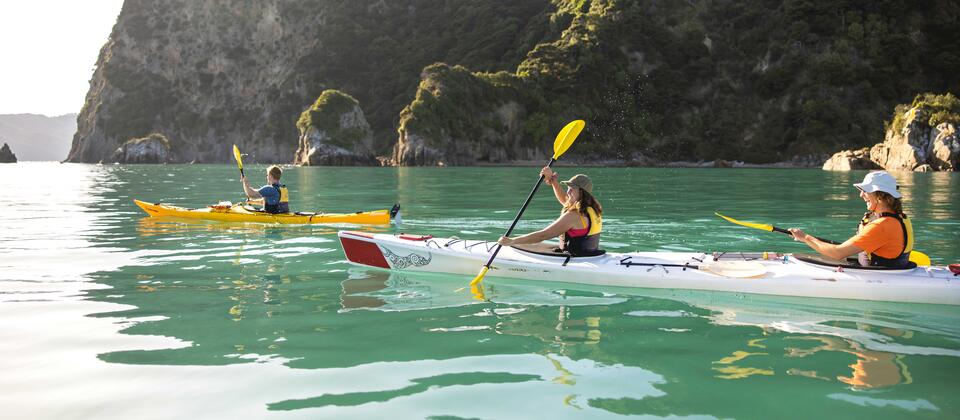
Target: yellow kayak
[241,213]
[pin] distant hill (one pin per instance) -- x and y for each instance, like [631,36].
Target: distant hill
[38,137]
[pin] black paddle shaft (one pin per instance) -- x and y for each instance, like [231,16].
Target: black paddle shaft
[784,231]
[519,213]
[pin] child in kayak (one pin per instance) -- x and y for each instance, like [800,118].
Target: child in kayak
[579,224]
[885,235]
[273,196]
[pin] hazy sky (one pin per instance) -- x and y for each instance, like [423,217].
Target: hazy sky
[48,49]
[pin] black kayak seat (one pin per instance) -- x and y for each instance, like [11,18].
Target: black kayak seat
[848,263]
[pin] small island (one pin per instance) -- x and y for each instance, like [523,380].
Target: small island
[6,155]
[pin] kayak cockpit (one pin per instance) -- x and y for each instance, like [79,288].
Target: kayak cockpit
[850,263]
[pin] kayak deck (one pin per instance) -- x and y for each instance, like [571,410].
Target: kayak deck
[779,274]
[240,213]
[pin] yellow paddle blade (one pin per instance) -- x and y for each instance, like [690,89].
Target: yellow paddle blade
[236,155]
[566,137]
[768,228]
[920,259]
[479,277]
[477,292]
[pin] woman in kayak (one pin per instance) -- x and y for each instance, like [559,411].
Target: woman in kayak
[885,236]
[274,195]
[580,223]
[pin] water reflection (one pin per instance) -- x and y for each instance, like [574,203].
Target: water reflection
[879,335]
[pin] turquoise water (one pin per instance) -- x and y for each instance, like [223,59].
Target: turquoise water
[105,313]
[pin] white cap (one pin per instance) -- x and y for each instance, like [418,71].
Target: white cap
[879,181]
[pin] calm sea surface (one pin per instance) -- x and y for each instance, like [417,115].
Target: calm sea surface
[107,313]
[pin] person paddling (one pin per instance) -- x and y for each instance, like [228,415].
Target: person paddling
[580,223]
[273,196]
[885,235]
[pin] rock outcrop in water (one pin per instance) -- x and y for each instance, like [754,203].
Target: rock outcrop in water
[334,132]
[922,138]
[849,160]
[155,148]
[6,155]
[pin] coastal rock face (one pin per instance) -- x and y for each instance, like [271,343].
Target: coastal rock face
[214,73]
[906,149]
[672,81]
[680,81]
[6,155]
[849,160]
[334,132]
[911,142]
[411,150]
[945,153]
[460,118]
[154,148]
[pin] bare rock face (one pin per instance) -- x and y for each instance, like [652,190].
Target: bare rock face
[334,132]
[412,150]
[849,160]
[945,150]
[154,148]
[461,118]
[907,149]
[6,155]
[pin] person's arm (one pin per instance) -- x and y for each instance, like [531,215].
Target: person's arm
[251,193]
[552,178]
[837,252]
[562,224]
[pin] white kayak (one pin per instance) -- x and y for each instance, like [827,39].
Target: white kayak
[759,273]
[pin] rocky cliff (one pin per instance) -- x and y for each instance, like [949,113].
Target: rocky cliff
[922,137]
[456,82]
[214,73]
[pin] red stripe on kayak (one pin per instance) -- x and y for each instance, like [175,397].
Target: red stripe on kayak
[363,252]
[414,237]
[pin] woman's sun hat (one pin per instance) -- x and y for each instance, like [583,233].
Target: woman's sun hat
[580,181]
[879,181]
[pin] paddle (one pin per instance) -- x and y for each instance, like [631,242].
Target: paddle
[917,257]
[236,155]
[564,139]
